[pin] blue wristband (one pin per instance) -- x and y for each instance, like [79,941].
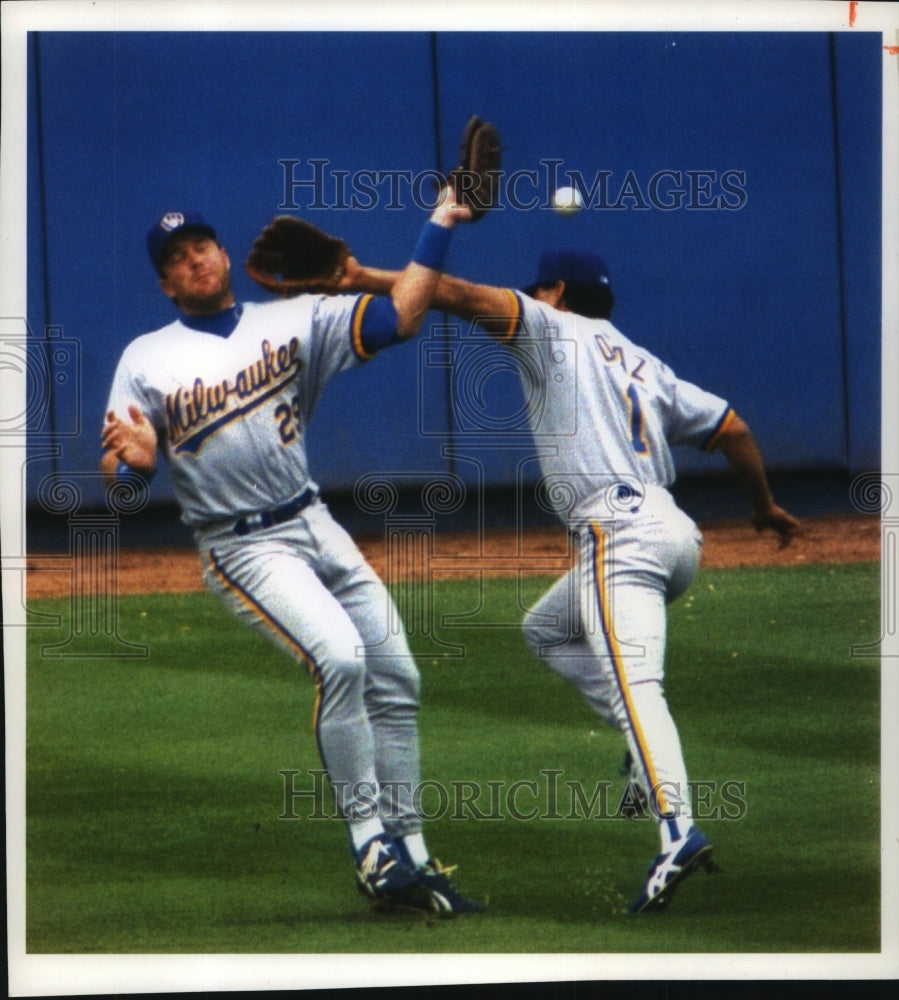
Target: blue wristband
[432,246]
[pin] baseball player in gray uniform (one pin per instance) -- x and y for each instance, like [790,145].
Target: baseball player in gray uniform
[225,391]
[605,413]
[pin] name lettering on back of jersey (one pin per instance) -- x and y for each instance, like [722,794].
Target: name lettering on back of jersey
[193,414]
[615,355]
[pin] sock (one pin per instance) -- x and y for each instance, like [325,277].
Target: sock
[673,831]
[362,831]
[412,849]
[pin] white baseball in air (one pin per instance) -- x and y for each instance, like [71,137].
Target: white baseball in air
[567,200]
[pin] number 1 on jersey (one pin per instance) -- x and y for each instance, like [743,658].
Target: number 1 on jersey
[637,439]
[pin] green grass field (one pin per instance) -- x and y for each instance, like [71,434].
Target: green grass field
[154,785]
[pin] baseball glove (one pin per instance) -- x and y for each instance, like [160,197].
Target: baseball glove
[475,182]
[292,257]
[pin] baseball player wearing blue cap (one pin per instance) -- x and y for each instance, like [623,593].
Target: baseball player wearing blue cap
[608,414]
[226,391]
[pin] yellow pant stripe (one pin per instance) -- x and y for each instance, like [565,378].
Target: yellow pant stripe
[608,630]
[276,627]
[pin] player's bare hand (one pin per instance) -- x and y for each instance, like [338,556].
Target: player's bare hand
[352,279]
[779,521]
[133,441]
[448,211]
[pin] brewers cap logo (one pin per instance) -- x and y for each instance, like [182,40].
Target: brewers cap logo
[171,221]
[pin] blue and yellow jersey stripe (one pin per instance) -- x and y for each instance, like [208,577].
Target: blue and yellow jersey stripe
[373,325]
[504,336]
[726,420]
[356,327]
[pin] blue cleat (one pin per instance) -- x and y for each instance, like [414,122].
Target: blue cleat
[387,880]
[445,898]
[669,870]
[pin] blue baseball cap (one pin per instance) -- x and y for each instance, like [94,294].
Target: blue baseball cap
[570,264]
[171,224]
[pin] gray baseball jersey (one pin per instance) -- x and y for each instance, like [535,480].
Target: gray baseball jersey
[605,410]
[605,414]
[231,412]
[231,397]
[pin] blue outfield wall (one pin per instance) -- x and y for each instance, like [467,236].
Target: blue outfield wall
[733,183]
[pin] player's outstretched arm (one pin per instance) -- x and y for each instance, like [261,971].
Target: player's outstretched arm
[738,445]
[495,309]
[413,290]
[133,442]
[491,306]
